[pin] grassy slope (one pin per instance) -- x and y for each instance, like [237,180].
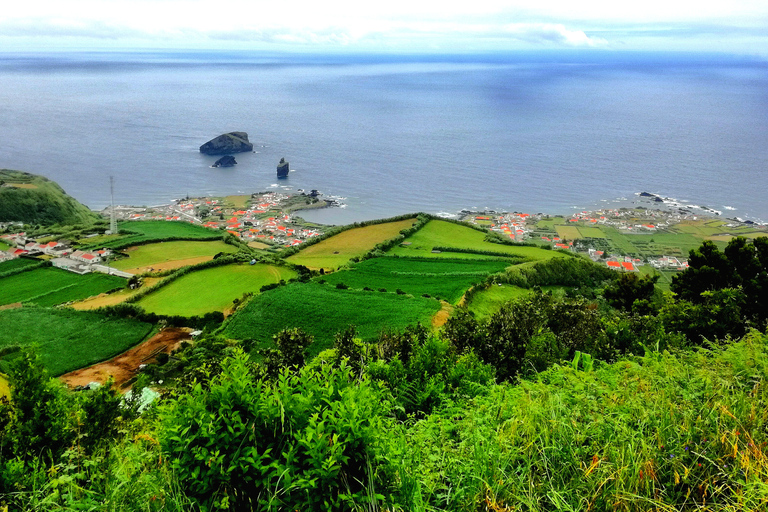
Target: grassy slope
[323,310]
[348,244]
[66,339]
[662,432]
[163,252]
[39,200]
[438,233]
[211,289]
[52,286]
[446,279]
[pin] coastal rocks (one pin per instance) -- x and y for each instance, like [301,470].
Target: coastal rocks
[233,142]
[282,169]
[225,161]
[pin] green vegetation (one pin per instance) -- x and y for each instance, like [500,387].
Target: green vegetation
[34,199]
[324,310]
[66,339]
[212,289]
[4,245]
[53,286]
[152,255]
[568,232]
[337,250]
[147,231]
[487,301]
[440,233]
[16,264]
[446,279]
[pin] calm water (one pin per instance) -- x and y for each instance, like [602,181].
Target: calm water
[394,135]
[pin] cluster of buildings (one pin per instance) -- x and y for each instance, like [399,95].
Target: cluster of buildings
[59,253]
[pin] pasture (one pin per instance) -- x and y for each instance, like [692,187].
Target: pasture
[445,279]
[5,391]
[170,255]
[486,302]
[569,232]
[99,301]
[439,233]
[52,286]
[337,250]
[591,232]
[148,230]
[323,310]
[16,264]
[66,339]
[4,246]
[211,289]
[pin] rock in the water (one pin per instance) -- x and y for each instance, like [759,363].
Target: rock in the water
[233,142]
[282,169]
[225,161]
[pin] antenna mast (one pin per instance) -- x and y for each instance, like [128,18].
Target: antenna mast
[112,219]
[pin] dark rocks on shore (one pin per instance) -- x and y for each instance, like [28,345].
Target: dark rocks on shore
[282,169]
[225,161]
[233,142]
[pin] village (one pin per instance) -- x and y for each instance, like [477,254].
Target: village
[268,220]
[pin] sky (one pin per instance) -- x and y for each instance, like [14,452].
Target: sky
[736,27]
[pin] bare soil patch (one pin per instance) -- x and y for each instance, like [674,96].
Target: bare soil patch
[11,306]
[442,316]
[125,366]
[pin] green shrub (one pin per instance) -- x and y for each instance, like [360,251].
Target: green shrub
[309,441]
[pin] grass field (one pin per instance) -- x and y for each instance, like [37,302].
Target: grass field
[487,302]
[111,299]
[53,286]
[568,232]
[323,310]
[4,246]
[16,264]
[337,250]
[66,339]
[167,255]
[238,201]
[591,232]
[445,279]
[211,289]
[438,233]
[147,230]
[550,223]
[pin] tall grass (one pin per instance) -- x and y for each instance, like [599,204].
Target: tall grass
[663,432]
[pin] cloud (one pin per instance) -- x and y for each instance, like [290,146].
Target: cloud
[552,33]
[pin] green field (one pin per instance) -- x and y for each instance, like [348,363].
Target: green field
[445,279]
[337,250]
[147,230]
[66,339]
[486,302]
[16,264]
[591,232]
[4,245]
[550,223]
[323,310]
[439,233]
[52,286]
[151,255]
[569,232]
[211,289]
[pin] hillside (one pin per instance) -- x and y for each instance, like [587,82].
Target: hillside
[34,199]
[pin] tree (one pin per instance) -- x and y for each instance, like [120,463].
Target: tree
[628,288]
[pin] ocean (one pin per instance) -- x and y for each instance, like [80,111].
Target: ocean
[546,132]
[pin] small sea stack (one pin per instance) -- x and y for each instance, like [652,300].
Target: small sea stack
[282,169]
[225,161]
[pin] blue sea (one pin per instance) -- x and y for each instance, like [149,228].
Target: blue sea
[533,132]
